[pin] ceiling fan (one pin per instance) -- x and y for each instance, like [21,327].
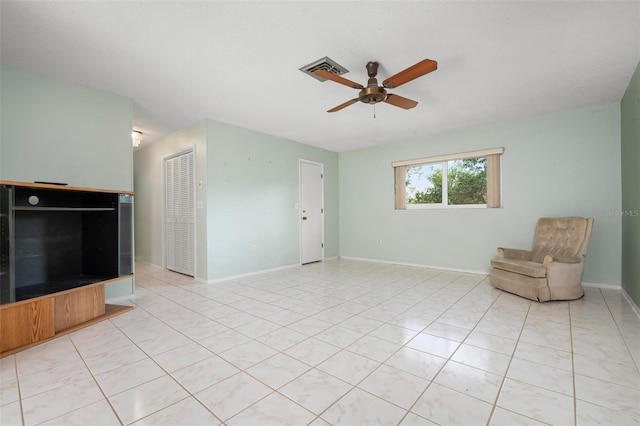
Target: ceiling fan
[373,94]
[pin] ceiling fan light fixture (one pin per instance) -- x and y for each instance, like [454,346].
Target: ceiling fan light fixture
[136,137]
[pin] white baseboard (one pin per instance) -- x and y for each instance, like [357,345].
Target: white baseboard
[148,263]
[616,287]
[441,268]
[231,277]
[635,307]
[607,286]
[248,274]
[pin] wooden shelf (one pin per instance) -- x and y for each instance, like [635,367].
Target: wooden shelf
[62,187]
[63,209]
[32,321]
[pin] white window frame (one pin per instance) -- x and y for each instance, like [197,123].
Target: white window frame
[494,180]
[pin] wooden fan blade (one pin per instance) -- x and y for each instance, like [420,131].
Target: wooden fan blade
[330,76]
[421,68]
[399,101]
[344,105]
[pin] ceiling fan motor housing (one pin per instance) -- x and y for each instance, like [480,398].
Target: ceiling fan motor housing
[372,95]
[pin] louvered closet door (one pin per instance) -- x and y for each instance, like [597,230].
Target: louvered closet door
[180,213]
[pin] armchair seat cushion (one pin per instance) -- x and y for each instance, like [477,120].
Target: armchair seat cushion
[524,267]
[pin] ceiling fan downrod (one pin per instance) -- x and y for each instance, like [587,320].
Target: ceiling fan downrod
[372,94]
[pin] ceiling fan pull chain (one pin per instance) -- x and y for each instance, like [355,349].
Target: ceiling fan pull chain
[374,110]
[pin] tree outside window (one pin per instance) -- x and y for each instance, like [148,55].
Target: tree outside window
[465,179]
[453,182]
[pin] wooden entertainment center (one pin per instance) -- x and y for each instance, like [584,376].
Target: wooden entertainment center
[59,247]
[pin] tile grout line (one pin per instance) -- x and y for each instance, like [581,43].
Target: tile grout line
[432,321]
[95,381]
[356,386]
[506,371]
[243,370]
[15,366]
[391,285]
[573,368]
[633,359]
[453,353]
[150,357]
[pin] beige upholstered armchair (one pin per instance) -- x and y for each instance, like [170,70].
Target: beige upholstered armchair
[553,269]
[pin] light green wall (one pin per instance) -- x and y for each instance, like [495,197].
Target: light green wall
[249,188]
[253,190]
[120,288]
[149,188]
[630,125]
[60,132]
[560,164]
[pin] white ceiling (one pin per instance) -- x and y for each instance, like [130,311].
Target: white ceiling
[237,62]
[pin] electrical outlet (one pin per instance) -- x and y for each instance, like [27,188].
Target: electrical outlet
[379,241]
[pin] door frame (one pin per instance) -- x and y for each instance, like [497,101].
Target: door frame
[299,206]
[186,150]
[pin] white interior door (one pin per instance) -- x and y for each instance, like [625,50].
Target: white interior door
[180,213]
[311,212]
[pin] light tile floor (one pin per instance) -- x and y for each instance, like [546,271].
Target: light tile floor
[336,343]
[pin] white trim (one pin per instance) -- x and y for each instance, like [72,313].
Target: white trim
[248,274]
[448,157]
[148,263]
[635,307]
[607,286]
[443,206]
[418,265]
[181,151]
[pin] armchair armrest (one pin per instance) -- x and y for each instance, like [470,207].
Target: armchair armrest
[564,275]
[509,253]
[551,258]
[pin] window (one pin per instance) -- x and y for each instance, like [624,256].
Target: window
[469,179]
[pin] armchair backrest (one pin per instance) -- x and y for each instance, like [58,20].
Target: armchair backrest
[565,236]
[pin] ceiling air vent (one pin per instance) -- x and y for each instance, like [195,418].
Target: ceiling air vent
[326,64]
